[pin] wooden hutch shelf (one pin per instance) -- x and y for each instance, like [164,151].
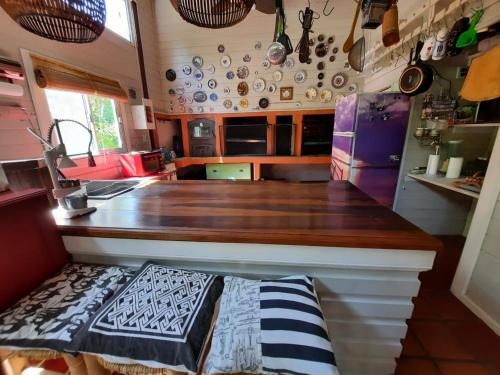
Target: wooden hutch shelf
[297,119]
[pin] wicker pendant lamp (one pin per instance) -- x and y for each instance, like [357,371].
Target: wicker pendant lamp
[72,21]
[213,14]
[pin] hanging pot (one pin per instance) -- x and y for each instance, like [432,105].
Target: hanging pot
[417,76]
[356,56]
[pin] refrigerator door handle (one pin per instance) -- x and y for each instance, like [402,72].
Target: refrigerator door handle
[344,134]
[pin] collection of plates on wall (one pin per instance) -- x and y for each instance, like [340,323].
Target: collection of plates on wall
[198,72]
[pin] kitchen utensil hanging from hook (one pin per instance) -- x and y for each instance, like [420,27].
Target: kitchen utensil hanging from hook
[281,46]
[350,39]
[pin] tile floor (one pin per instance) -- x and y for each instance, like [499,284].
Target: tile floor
[444,337]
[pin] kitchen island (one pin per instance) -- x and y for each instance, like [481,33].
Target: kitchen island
[365,258]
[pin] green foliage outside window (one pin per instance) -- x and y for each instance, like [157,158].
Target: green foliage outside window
[102,113]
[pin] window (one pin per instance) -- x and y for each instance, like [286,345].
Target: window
[97,113]
[117,18]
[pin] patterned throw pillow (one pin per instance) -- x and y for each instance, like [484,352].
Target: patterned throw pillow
[160,319]
[270,327]
[49,317]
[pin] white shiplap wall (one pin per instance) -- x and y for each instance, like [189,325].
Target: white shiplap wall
[179,42]
[484,286]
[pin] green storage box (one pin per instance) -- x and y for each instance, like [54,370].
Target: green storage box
[236,171]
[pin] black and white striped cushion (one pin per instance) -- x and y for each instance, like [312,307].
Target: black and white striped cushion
[270,327]
[294,334]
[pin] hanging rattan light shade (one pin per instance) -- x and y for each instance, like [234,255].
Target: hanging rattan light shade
[213,14]
[73,21]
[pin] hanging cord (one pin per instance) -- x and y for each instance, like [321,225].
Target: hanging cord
[325,13]
[306,18]
[443,78]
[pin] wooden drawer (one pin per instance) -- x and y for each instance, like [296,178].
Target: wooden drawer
[237,171]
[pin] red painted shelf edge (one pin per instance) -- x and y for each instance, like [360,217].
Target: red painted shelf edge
[12,197]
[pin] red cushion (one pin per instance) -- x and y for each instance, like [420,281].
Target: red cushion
[31,249]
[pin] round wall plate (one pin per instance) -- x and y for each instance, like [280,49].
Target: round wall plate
[244,103]
[325,96]
[321,50]
[289,62]
[339,80]
[187,84]
[170,75]
[331,39]
[213,97]
[242,72]
[225,61]
[227,90]
[277,75]
[258,45]
[247,58]
[300,76]
[311,93]
[198,75]
[200,97]
[266,64]
[186,69]
[212,83]
[272,88]
[230,75]
[353,87]
[320,65]
[221,48]
[242,88]
[228,104]
[181,99]
[264,103]
[259,85]
[210,68]
[197,62]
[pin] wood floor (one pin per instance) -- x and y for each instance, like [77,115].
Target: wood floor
[444,337]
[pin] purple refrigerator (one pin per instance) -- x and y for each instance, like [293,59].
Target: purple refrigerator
[368,140]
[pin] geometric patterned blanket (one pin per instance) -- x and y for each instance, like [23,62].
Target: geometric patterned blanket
[49,317]
[160,319]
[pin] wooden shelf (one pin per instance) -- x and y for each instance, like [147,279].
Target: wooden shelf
[443,182]
[480,125]
[184,162]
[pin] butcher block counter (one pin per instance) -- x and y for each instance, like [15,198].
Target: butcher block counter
[365,258]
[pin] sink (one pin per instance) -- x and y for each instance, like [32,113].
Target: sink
[107,189]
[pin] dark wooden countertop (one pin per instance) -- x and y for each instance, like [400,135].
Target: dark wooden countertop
[316,214]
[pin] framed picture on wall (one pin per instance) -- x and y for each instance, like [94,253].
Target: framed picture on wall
[286,93]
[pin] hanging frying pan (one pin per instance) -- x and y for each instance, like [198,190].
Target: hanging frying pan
[417,77]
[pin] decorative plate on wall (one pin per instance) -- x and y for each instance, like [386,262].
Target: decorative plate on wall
[198,75]
[331,39]
[332,58]
[286,93]
[221,48]
[339,80]
[227,90]
[242,72]
[244,103]
[300,76]
[320,65]
[199,85]
[187,84]
[272,88]
[264,103]
[200,97]
[325,96]
[210,68]
[321,76]
[186,69]
[266,63]
[311,93]
[277,75]
[197,62]
[212,83]
[213,97]
[170,75]
[289,62]
[320,84]
[230,75]
[353,87]
[258,45]
[171,91]
[321,50]
[179,90]
[259,85]
[338,97]
[181,99]
[247,58]
[182,109]
[225,61]
[242,88]
[228,104]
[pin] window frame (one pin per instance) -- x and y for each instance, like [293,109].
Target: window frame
[131,26]
[95,143]
[43,118]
